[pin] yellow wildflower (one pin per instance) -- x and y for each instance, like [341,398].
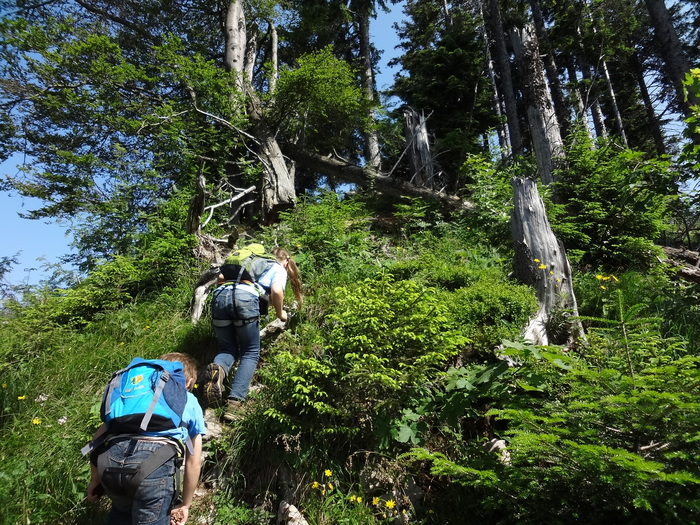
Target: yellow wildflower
[536,260]
[315,485]
[20,398]
[359,499]
[328,473]
[375,500]
[603,287]
[551,272]
[36,421]
[614,278]
[599,277]
[390,504]
[353,498]
[330,486]
[542,266]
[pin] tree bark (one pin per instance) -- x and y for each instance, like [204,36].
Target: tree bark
[277,186]
[500,129]
[540,261]
[561,108]
[591,98]
[582,111]
[544,127]
[419,157]
[235,37]
[507,89]
[676,60]
[653,120]
[368,178]
[371,141]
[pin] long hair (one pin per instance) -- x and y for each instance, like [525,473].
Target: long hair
[282,254]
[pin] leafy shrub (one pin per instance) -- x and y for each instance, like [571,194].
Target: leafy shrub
[490,310]
[448,264]
[614,205]
[384,340]
[329,231]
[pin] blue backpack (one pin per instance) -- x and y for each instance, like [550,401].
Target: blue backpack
[146,396]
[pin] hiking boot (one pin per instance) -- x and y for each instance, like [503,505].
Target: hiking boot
[234,411]
[214,385]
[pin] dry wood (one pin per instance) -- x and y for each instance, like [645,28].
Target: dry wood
[540,261]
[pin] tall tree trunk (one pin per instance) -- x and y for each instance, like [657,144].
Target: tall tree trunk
[504,73]
[611,91]
[561,108]
[653,120]
[540,261]
[591,99]
[676,62]
[613,103]
[546,136]
[581,110]
[277,187]
[500,128]
[274,43]
[235,45]
[419,157]
[371,141]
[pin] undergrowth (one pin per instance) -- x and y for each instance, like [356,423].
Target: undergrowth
[381,401]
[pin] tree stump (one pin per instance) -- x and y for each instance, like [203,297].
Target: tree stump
[540,261]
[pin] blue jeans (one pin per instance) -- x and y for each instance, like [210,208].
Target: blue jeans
[237,343]
[153,499]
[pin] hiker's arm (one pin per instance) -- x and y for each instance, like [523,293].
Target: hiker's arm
[94,489]
[277,300]
[193,466]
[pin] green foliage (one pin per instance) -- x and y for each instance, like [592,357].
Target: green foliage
[614,205]
[604,431]
[674,306]
[441,64]
[691,151]
[490,191]
[492,309]
[449,262]
[331,233]
[319,101]
[384,340]
[377,373]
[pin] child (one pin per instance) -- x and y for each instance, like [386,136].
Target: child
[153,500]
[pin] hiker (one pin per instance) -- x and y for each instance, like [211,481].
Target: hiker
[237,304]
[115,462]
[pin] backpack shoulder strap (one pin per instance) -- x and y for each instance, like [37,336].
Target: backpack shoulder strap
[164,378]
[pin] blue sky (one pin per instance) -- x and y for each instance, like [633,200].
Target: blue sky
[34,239]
